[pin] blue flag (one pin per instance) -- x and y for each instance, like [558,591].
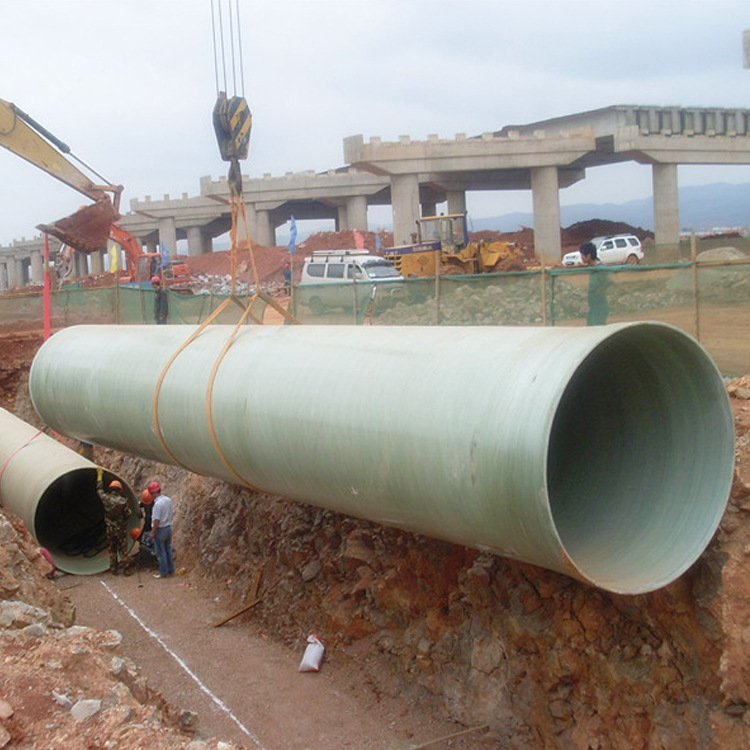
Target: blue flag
[164,255]
[377,242]
[292,236]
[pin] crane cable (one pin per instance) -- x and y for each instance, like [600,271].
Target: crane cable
[232,119]
[235,37]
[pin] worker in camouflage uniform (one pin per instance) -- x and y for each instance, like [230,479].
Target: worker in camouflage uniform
[116,518]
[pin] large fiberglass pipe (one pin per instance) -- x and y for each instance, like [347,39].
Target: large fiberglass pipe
[53,490]
[605,453]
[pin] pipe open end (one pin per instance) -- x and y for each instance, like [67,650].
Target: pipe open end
[641,458]
[69,522]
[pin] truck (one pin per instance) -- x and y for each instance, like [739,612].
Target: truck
[90,228]
[448,235]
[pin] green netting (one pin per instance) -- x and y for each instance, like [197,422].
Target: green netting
[481,300]
[75,306]
[347,303]
[20,309]
[630,293]
[709,300]
[137,306]
[723,316]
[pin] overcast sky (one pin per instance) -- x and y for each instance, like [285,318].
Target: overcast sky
[130,84]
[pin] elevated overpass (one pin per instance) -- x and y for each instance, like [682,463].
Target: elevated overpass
[415,176]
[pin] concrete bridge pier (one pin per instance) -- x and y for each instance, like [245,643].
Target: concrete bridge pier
[97,262]
[546,200]
[456,201]
[265,232]
[341,221]
[14,273]
[168,235]
[199,243]
[80,265]
[356,213]
[37,267]
[3,276]
[405,200]
[666,209]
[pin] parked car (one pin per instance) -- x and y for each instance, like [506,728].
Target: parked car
[613,250]
[329,275]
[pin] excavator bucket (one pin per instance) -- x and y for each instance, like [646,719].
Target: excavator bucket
[87,230]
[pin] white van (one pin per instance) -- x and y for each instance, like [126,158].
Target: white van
[343,270]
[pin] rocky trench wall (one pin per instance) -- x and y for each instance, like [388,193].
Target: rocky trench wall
[546,661]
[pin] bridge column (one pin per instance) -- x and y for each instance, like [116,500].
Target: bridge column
[19,274]
[356,213]
[80,265]
[546,201]
[3,275]
[251,214]
[666,208]
[341,221]
[168,235]
[37,272]
[11,271]
[97,262]
[456,202]
[264,231]
[405,201]
[197,241]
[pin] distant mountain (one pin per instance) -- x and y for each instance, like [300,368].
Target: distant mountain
[701,207]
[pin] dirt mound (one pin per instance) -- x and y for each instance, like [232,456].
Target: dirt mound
[346,240]
[582,231]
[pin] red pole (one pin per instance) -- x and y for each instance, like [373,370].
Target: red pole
[47,296]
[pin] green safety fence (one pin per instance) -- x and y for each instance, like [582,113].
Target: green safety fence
[74,305]
[709,300]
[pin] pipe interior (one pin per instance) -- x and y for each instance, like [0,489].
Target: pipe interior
[69,522]
[640,459]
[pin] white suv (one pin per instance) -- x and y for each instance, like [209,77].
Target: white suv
[341,269]
[613,250]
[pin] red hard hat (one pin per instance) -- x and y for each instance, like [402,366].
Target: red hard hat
[146,498]
[115,485]
[155,280]
[154,487]
[135,534]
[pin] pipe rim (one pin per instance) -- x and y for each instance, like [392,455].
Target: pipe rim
[632,516]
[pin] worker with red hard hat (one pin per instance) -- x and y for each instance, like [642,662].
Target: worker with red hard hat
[146,509]
[161,303]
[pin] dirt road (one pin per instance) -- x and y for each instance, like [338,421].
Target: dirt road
[244,687]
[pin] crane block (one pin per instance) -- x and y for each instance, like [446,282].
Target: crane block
[232,123]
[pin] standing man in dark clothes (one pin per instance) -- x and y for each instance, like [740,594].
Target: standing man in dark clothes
[161,303]
[116,518]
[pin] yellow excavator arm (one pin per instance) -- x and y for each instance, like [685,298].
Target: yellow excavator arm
[26,138]
[87,229]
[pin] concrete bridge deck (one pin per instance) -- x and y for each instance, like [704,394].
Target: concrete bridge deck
[415,176]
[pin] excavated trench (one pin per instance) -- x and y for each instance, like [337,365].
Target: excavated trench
[547,661]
